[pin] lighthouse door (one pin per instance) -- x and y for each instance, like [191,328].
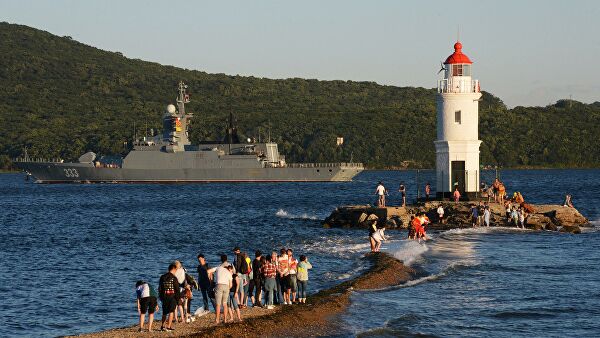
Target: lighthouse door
[458,175]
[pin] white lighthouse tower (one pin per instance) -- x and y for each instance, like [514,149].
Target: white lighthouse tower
[457,144]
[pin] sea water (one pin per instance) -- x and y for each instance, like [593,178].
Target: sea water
[71,254]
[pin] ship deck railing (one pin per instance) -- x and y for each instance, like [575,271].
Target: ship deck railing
[324,165]
[38,160]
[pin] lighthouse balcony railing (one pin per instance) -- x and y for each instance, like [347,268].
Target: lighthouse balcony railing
[458,86]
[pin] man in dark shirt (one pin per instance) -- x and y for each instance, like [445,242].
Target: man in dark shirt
[169,294]
[257,277]
[203,280]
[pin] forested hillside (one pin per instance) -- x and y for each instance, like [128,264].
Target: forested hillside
[61,98]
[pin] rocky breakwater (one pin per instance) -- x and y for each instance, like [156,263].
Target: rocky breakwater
[457,215]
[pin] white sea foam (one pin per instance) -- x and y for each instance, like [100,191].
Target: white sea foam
[483,230]
[284,214]
[408,251]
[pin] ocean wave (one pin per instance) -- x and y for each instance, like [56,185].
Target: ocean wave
[409,251]
[482,230]
[284,214]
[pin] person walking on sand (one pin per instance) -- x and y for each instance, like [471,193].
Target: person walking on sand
[456,195]
[402,190]
[427,191]
[302,277]
[169,294]
[223,281]
[269,271]
[380,191]
[146,303]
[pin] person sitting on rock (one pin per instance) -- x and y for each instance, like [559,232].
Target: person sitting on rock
[568,201]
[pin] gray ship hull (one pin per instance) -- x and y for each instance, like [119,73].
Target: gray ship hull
[55,172]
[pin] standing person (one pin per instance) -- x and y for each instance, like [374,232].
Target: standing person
[496,188]
[380,191]
[278,289]
[180,274]
[241,268]
[293,281]
[514,215]
[486,215]
[146,302]
[257,278]
[474,215]
[203,280]
[456,195]
[190,285]
[249,283]
[402,190]
[234,301]
[169,294]
[302,277]
[372,230]
[379,237]
[283,268]
[223,280]
[522,217]
[427,191]
[480,212]
[440,212]
[269,271]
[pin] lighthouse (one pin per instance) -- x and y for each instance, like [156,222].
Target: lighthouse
[457,143]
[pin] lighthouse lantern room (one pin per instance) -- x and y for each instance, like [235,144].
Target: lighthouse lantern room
[457,143]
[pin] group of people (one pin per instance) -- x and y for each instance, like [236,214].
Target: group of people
[262,282]
[382,192]
[480,214]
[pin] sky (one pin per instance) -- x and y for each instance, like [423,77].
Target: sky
[525,52]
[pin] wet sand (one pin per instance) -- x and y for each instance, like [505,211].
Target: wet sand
[310,319]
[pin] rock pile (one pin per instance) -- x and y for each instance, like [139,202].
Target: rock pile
[541,217]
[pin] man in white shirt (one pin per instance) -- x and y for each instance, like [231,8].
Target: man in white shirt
[380,191]
[223,281]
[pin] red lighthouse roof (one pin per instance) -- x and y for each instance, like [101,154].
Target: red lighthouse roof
[457,56]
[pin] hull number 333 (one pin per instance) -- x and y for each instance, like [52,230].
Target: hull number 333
[71,172]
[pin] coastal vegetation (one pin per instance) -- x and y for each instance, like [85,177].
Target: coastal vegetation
[62,98]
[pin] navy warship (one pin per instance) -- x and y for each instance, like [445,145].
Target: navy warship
[171,158]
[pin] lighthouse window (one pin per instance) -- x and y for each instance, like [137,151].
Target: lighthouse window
[457,117]
[461,70]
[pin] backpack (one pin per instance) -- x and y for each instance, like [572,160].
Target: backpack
[244,267]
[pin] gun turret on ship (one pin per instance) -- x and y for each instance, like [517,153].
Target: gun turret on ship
[171,158]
